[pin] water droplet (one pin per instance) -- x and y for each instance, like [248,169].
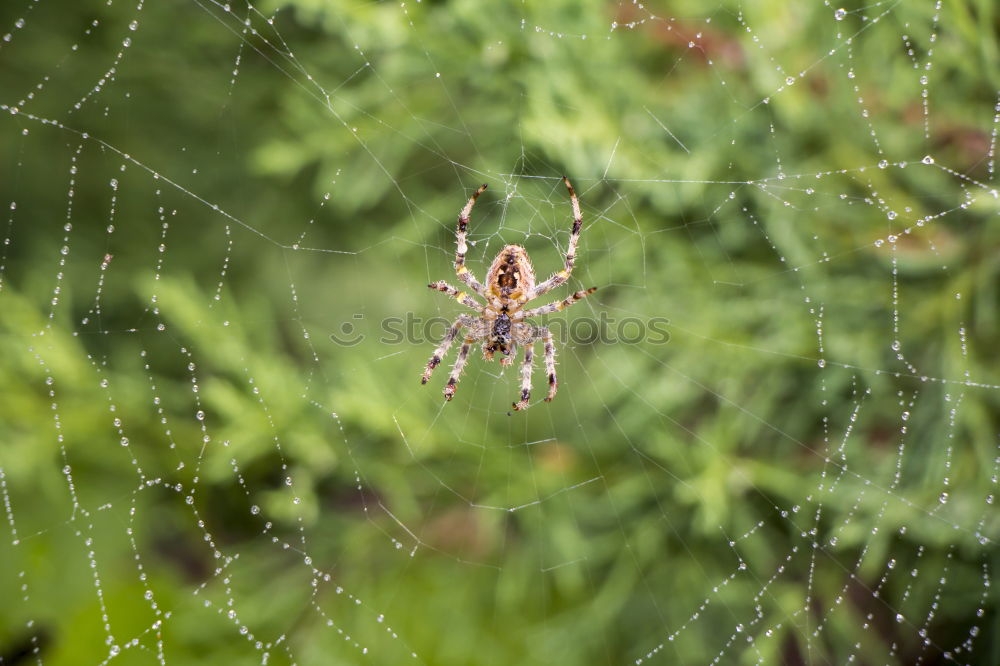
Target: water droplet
[840,14]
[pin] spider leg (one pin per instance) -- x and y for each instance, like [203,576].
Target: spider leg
[456,370]
[460,268]
[508,360]
[550,363]
[563,275]
[449,337]
[460,296]
[526,377]
[556,306]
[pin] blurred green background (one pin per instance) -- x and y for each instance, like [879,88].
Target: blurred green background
[196,196]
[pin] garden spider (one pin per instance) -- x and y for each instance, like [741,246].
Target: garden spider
[510,284]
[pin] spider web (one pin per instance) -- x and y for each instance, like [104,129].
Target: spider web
[200,196]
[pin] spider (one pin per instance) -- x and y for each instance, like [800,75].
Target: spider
[500,324]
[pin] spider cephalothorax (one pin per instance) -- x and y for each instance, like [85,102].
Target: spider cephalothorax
[510,284]
[500,339]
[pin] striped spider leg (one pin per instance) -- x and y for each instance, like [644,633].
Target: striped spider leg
[462,247]
[459,296]
[476,331]
[562,276]
[557,306]
[463,321]
[532,334]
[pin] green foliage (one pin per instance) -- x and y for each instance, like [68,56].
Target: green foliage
[731,187]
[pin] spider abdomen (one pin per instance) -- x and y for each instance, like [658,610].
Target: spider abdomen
[511,274]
